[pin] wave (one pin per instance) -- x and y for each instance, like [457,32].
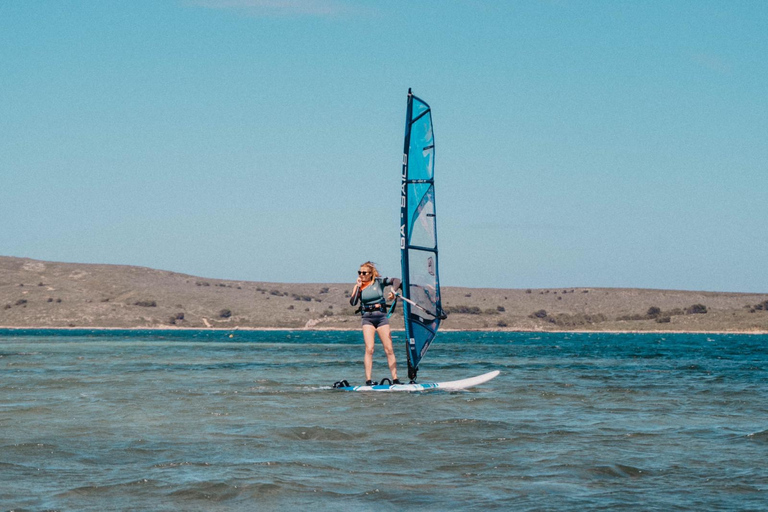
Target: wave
[49,451]
[619,471]
[216,491]
[113,489]
[759,436]
[467,428]
[316,434]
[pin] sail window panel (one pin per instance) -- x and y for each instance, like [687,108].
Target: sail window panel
[422,226]
[421,150]
[423,286]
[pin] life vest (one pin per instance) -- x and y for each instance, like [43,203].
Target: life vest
[373,293]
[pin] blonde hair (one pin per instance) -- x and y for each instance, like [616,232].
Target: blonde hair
[371,267]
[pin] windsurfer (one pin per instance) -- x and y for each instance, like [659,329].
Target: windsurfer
[369,292]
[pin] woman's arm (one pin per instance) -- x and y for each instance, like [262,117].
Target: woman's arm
[394,282]
[355,297]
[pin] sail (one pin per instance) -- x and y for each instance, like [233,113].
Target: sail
[422,308]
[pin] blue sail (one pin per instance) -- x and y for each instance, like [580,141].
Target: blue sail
[422,307]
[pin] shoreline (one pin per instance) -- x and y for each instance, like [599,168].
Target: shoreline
[49,295]
[329,329]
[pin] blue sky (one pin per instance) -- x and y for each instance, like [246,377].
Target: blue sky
[601,144]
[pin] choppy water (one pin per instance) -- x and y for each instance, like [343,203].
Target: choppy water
[195,420]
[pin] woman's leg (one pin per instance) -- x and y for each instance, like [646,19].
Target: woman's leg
[385,335]
[369,335]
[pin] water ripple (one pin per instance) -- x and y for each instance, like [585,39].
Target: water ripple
[195,420]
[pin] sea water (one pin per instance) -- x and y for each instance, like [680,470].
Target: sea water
[212,420]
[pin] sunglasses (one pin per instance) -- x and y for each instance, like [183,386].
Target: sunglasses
[362,273]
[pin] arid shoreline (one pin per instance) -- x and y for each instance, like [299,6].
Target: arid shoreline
[349,329]
[36,294]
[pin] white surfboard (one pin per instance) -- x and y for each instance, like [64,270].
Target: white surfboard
[454,385]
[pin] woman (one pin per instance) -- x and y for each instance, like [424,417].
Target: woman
[369,292]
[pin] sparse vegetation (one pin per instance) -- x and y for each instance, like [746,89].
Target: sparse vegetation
[463,310]
[696,309]
[225,313]
[569,320]
[576,320]
[656,313]
[142,303]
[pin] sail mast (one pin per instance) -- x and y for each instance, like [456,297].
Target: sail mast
[404,234]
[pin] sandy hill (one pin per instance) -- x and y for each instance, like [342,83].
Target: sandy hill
[48,294]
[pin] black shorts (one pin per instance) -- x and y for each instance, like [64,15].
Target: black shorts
[375,318]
